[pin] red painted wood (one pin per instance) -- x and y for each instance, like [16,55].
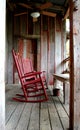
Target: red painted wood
[20,47]
[29,81]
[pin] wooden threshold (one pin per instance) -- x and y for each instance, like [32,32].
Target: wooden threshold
[33,36]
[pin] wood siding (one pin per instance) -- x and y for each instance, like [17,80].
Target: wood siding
[76,49]
[50,41]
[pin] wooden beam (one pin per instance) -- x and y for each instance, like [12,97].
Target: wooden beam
[67,13]
[68,10]
[28,36]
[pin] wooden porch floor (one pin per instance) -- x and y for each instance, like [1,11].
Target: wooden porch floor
[50,115]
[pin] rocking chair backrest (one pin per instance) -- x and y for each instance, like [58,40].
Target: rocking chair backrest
[23,65]
[18,63]
[27,65]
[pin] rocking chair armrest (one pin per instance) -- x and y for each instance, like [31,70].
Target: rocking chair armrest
[28,73]
[31,74]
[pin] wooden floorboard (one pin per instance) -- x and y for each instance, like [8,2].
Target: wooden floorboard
[54,118]
[50,115]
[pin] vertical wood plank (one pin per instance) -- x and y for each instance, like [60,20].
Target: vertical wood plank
[76,38]
[58,45]
[63,43]
[9,46]
[71,68]
[48,48]
[52,48]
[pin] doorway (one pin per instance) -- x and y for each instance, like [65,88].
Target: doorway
[34,53]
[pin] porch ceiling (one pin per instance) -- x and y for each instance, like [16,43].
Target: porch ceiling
[59,7]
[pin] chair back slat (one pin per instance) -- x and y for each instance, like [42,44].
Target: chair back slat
[17,60]
[27,65]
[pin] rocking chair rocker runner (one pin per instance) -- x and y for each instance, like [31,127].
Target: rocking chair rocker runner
[32,91]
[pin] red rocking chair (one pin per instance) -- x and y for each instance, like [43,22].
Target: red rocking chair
[32,91]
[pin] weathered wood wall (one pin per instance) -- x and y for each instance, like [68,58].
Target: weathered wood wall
[46,34]
[52,44]
[9,46]
[76,45]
